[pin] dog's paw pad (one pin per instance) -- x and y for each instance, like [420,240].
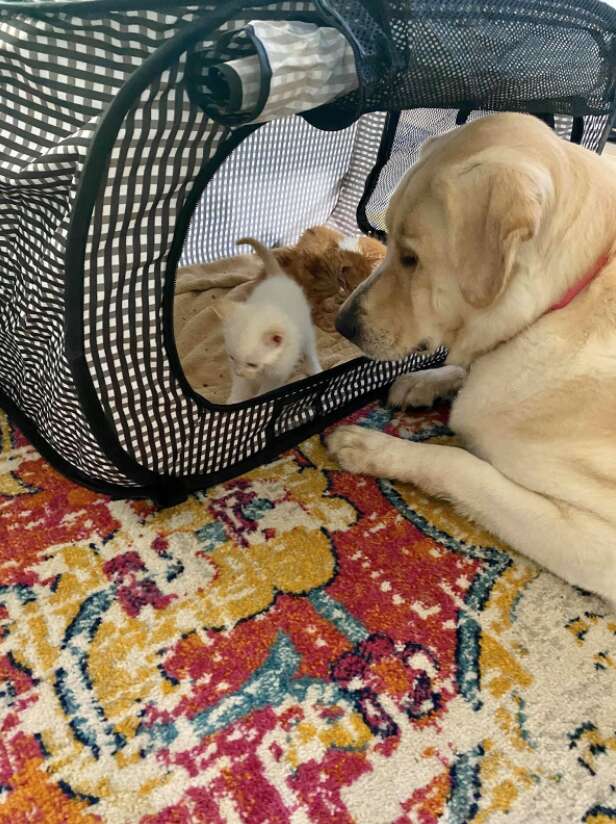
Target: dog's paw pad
[355,449]
[345,437]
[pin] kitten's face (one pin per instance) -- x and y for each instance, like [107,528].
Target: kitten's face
[249,361]
[251,345]
[245,369]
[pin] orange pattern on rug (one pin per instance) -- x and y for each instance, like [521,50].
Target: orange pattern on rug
[298,645]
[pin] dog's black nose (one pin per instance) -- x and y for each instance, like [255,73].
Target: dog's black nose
[347,321]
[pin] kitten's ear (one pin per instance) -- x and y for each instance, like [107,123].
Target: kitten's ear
[371,248]
[274,337]
[224,307]
[344,277]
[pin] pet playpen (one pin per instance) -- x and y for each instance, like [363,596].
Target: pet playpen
[132,135]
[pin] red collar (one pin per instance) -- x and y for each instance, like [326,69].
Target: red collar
[581,284]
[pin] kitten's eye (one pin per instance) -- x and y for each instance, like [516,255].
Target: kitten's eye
[251,365]
[408,260]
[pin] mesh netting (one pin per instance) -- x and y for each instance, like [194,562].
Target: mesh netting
[415,127]
[275,202]
[515,55]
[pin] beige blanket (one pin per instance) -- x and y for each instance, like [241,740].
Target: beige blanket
[198,332]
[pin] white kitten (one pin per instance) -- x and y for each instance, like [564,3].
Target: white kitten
[267,335]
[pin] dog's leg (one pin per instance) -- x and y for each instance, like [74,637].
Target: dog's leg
[423,388]
[572,543]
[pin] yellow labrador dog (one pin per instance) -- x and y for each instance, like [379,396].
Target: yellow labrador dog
[502,247]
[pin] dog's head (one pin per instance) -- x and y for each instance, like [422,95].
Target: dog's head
[458,225]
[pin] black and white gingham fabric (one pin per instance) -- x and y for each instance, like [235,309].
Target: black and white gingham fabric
[104,153]
[61,69]
[363,159]
[46,124]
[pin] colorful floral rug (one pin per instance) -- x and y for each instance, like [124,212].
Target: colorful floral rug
[299,645]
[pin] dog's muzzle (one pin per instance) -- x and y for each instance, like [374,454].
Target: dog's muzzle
[347,321]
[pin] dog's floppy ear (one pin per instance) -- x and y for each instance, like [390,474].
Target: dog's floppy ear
[495,202]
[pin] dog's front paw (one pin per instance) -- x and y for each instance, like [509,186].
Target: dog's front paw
[423,388]
[360,450]
[411,391]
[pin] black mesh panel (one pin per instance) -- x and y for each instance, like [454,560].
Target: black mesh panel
[515,55]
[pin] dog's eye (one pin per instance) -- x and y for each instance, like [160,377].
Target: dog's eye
[408,260]
[251,365]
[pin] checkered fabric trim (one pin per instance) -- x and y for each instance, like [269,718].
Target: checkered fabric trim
[163,143]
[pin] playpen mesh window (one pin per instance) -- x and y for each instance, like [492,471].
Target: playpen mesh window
[275,202]
[408,130]
[107,142]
